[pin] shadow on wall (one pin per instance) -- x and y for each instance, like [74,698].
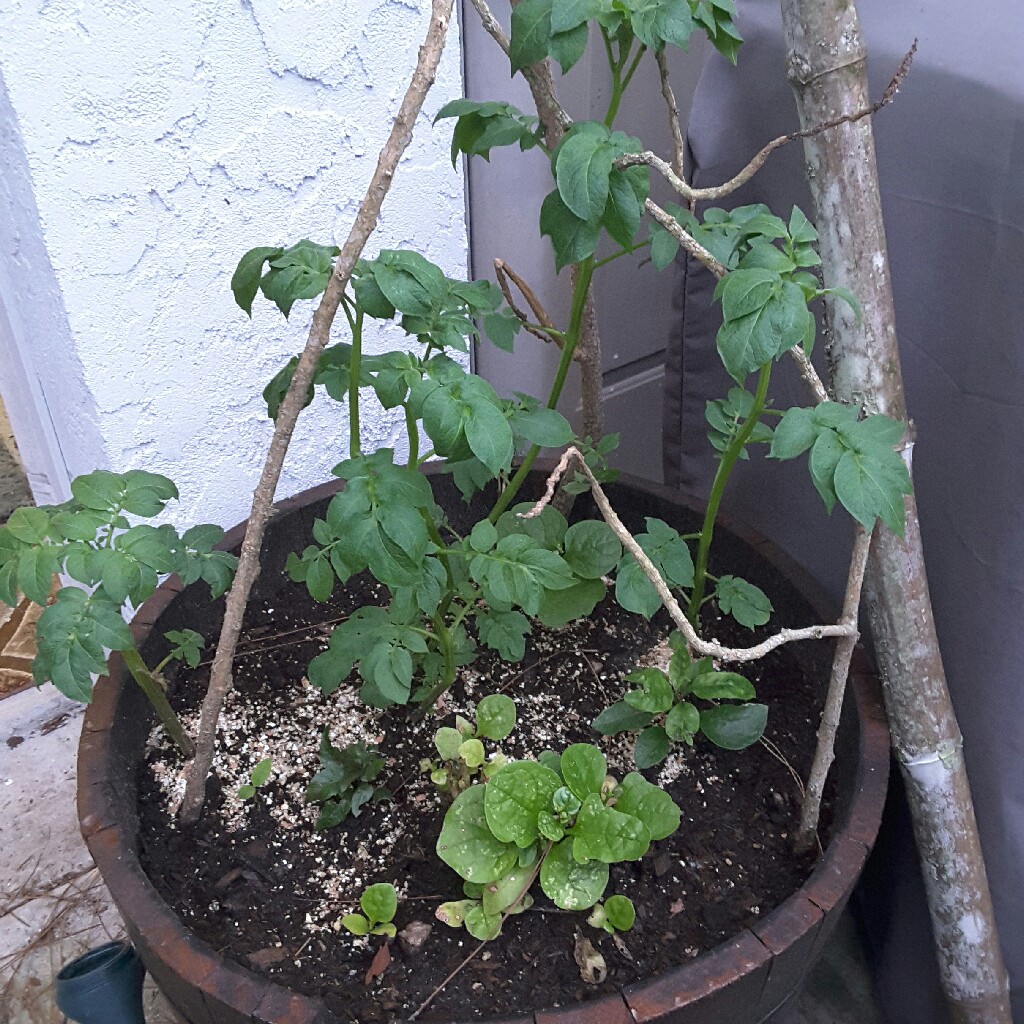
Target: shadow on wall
[14,490]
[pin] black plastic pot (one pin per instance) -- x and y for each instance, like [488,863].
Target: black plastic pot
[103,986]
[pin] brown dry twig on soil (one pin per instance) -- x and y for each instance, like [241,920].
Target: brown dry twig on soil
[427,61]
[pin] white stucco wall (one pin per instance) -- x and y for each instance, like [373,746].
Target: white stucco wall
[163,138]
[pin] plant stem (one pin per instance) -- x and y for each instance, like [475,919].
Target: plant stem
[572,337]
[354,366]
[414,438]
[444,639]
[725,467]
[155,692]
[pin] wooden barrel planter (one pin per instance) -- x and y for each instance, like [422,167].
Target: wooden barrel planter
[745,980]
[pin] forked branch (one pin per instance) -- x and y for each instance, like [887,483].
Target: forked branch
[702,648]
[547,331]
[824,752]
[693,195]
[284,425]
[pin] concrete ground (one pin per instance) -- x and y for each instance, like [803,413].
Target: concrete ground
[53,906]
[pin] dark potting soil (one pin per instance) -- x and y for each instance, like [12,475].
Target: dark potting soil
[257,883]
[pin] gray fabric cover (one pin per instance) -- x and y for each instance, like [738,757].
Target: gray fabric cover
[950,154]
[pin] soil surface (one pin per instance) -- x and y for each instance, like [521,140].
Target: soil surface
[257,883]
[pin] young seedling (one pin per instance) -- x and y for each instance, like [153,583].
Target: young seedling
[564,821]
[616,914]
[379,904]
[257,777]
[345,782]
[92,539]
[662,713]
[461,749]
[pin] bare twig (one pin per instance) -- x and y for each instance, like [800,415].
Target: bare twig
[824,752]
[673,115]
[504,917]
[702,648]
[440,988]
[809,373]
[685,239]
[504,273]
[319,333]
[694,195]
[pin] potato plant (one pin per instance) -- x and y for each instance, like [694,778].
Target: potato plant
[93,538]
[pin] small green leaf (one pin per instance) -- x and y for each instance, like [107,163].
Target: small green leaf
[573,238]
[592,549]
[734,727]
[504,632]
[531,32]
[747,604]
[379,902]
[557,607]
[582,166]
[723,686]
[483,536]
[513,799]
[795,433]
[245,282]
[454,913]
[620,717]
[653,806]
[472,753]
[98,490]
[29,525]
[569,884]
[495,716]
[652,747]
[608,835]
[500,895]
[356,924]
[481,925]
[584,769]
[682,723]
[246,792]
[620,912]
[261,772]
[655,694]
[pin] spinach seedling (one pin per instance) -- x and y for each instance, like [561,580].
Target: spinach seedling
[461,749]
[616,914]
[379,904]
[660,711]
[563,822]
[345,782]
[257,777]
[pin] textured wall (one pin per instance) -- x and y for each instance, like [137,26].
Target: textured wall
[166,137]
